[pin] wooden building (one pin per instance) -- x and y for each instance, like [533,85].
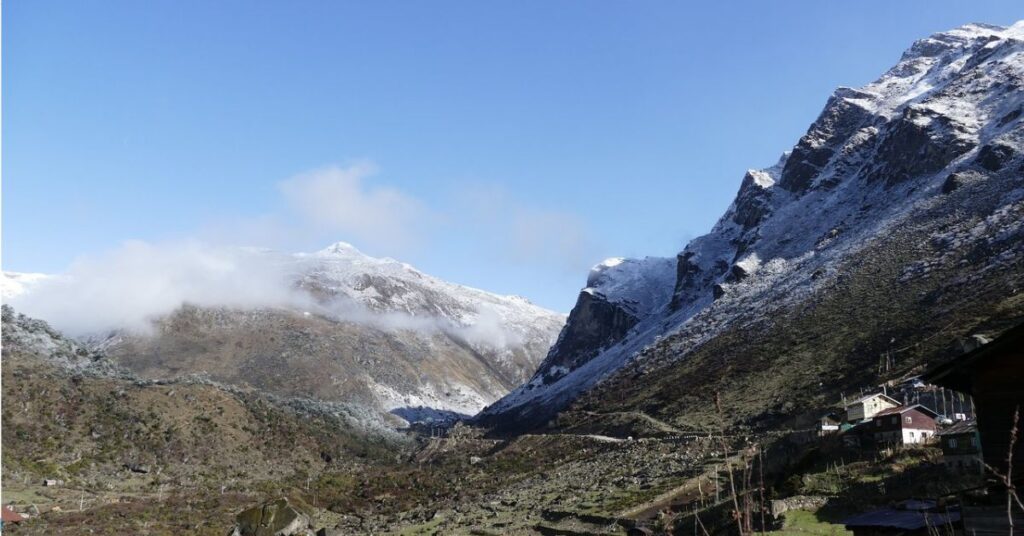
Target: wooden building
[993,375]
[961,448]
[867,406]
[904,425]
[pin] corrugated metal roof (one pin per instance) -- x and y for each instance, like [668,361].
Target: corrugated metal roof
[904,409]
[961,427]
[10,515]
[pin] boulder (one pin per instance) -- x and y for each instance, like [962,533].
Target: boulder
[952,182]
[273,518]
[137,467]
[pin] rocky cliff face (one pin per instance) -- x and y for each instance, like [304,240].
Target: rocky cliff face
[620,293]
[918,173]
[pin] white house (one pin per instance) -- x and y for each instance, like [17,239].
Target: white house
[867,406]
[905,425]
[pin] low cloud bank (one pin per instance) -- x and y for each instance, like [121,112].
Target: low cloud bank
[130,287]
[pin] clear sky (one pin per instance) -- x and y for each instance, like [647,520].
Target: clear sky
[507,146]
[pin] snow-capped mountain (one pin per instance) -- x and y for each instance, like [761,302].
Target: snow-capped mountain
[351,328]
[918,175]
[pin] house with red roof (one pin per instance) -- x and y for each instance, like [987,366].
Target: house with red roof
[904,425]
[8,515]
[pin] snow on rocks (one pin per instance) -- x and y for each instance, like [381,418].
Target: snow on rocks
[875,155]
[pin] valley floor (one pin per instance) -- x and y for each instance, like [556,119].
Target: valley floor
[547,484]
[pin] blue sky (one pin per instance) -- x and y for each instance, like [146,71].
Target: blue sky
[505,146]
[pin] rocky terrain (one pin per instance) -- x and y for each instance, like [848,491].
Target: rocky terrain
[82,434]
[893,225]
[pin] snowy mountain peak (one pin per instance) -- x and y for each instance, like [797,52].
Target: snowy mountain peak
[339,249]
[949,114]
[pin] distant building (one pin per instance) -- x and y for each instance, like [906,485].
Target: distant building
[904,425]
[961,447]
[866,407]
[829,424]
[10,516]
[858,436]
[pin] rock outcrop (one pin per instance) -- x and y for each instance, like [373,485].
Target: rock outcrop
[273,518]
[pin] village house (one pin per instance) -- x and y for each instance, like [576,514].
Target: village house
[858,436]
[867,406]
[904,425]
[829,424]
[961,448]
[10,516]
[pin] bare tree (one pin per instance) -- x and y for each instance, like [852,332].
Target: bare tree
[1007,478]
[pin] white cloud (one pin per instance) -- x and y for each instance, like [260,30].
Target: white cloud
[130,286]
[138,282]
[339,200]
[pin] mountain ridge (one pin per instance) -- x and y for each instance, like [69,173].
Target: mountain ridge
[945,118]
[353,328]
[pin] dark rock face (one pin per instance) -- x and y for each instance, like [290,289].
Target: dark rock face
[994,156]
[952,182]
[839,120]
[593,324]
[737,273]
[921,142]
[693,280]
[687,272]
[751,202]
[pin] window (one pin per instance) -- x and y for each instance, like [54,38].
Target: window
[911,435]
[952,443]
[894,419]
[907,419]
[974,441]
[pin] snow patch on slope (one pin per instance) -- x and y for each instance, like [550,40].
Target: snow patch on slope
[637,284]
